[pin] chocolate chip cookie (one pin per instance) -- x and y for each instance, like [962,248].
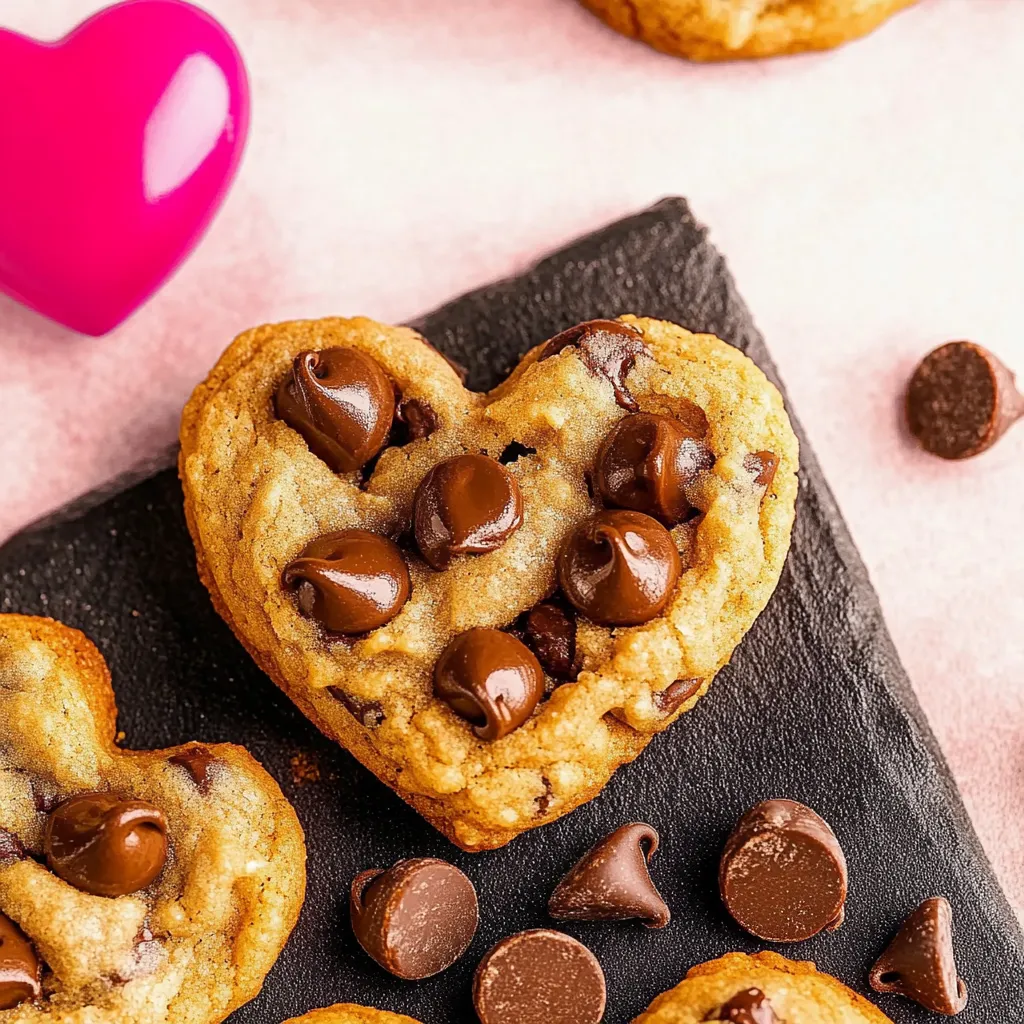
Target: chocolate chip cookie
[135,887]
[349,1013]
[492,600]
[710,30]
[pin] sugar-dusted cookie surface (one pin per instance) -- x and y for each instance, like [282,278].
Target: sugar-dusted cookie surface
[710,30]
[794,991]
[198,940]
[349,1013]
[256,495]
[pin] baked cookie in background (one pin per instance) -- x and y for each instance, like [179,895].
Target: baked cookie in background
[141,887]
[767,987]
[712,30]
[349,1013]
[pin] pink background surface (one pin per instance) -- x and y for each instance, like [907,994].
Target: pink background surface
[870,202]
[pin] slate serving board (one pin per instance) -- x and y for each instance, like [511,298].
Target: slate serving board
[815,706]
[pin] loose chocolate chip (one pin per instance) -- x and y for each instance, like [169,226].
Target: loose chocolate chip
[763,466]
[920,964]
[10,847]
[341,402]
[350,582]
[415,919]
[608,348]
[368,713]
[675,695]
[611,881]
[549,630]
[646,462]
[619,568]
[961,400]
[782,875]
[491,679]
[469,504]
[539,977]
[414,419]
[20,969]
[105,844]
[197,761]
[750,1006]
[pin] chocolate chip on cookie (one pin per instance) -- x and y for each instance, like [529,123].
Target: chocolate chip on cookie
[351,582]
[414,419]
[106,845]
[469,504]
[20,969]
[539,977]
[782,875]
[198,762]
[611,881]
[619,568]
[549,630]
[646,462]
[751,1006]
[920,963]
[368,713]
[491,679]
[762,466]
[415,919]
[341,402]
[675,695]
[961,400]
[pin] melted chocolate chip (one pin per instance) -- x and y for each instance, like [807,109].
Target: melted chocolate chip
[415,919]
[414,419]
[619,568]
[763,466]
[539,977]
[750,1006]
[368,713]
[10,847]
[549,630]
[106,845]
[961,400]
[341,402]
[20,970]
[490,679]
[782,875]
[675,695]
[469,504]
[647,462]
[920,963]
[351,582]
[197,761]
[608,348]
[611,881]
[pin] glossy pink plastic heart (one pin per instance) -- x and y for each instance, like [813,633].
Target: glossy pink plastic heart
[117,146]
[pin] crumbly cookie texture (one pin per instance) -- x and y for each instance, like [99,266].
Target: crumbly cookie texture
[199,941]
[711,30]
[255,495]
[796,990]
[349,1013]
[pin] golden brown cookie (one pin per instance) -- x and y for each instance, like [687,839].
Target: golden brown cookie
[709,30]
[204,830]
[794,991]
[349,1013]
[256,496]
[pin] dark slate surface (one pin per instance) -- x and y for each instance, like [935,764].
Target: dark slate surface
[815,706]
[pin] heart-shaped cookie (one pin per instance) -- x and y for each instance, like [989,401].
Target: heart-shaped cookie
[498,603]
[349,1013]
[134,886]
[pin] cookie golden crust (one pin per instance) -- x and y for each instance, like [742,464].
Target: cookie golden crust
[255,495]
[349,1013]
[796,990]
[198,942]
[713,30]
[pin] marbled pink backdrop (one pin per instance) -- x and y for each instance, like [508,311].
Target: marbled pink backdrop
[870,201]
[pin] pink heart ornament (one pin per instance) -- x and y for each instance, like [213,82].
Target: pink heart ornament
[118,145]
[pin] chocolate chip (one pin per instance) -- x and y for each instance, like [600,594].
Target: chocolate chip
[539,977]
[198,762]
[469,504]
[491,679]
[750,1006]
[608,348]
[106,845]
[920,964]
[675,695]
[762,465]
[414,419]
[647,462]
[368,713]
[10,847]
[20,970]
[961,400]
[549,630]
[782,875]
[351,582]
[619,568]
[415,919]
[341,402]
[611,881]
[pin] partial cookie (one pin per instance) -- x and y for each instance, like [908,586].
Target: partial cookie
[505,602]
[710,30]
[153,887]
[349,1013]
[760,989]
